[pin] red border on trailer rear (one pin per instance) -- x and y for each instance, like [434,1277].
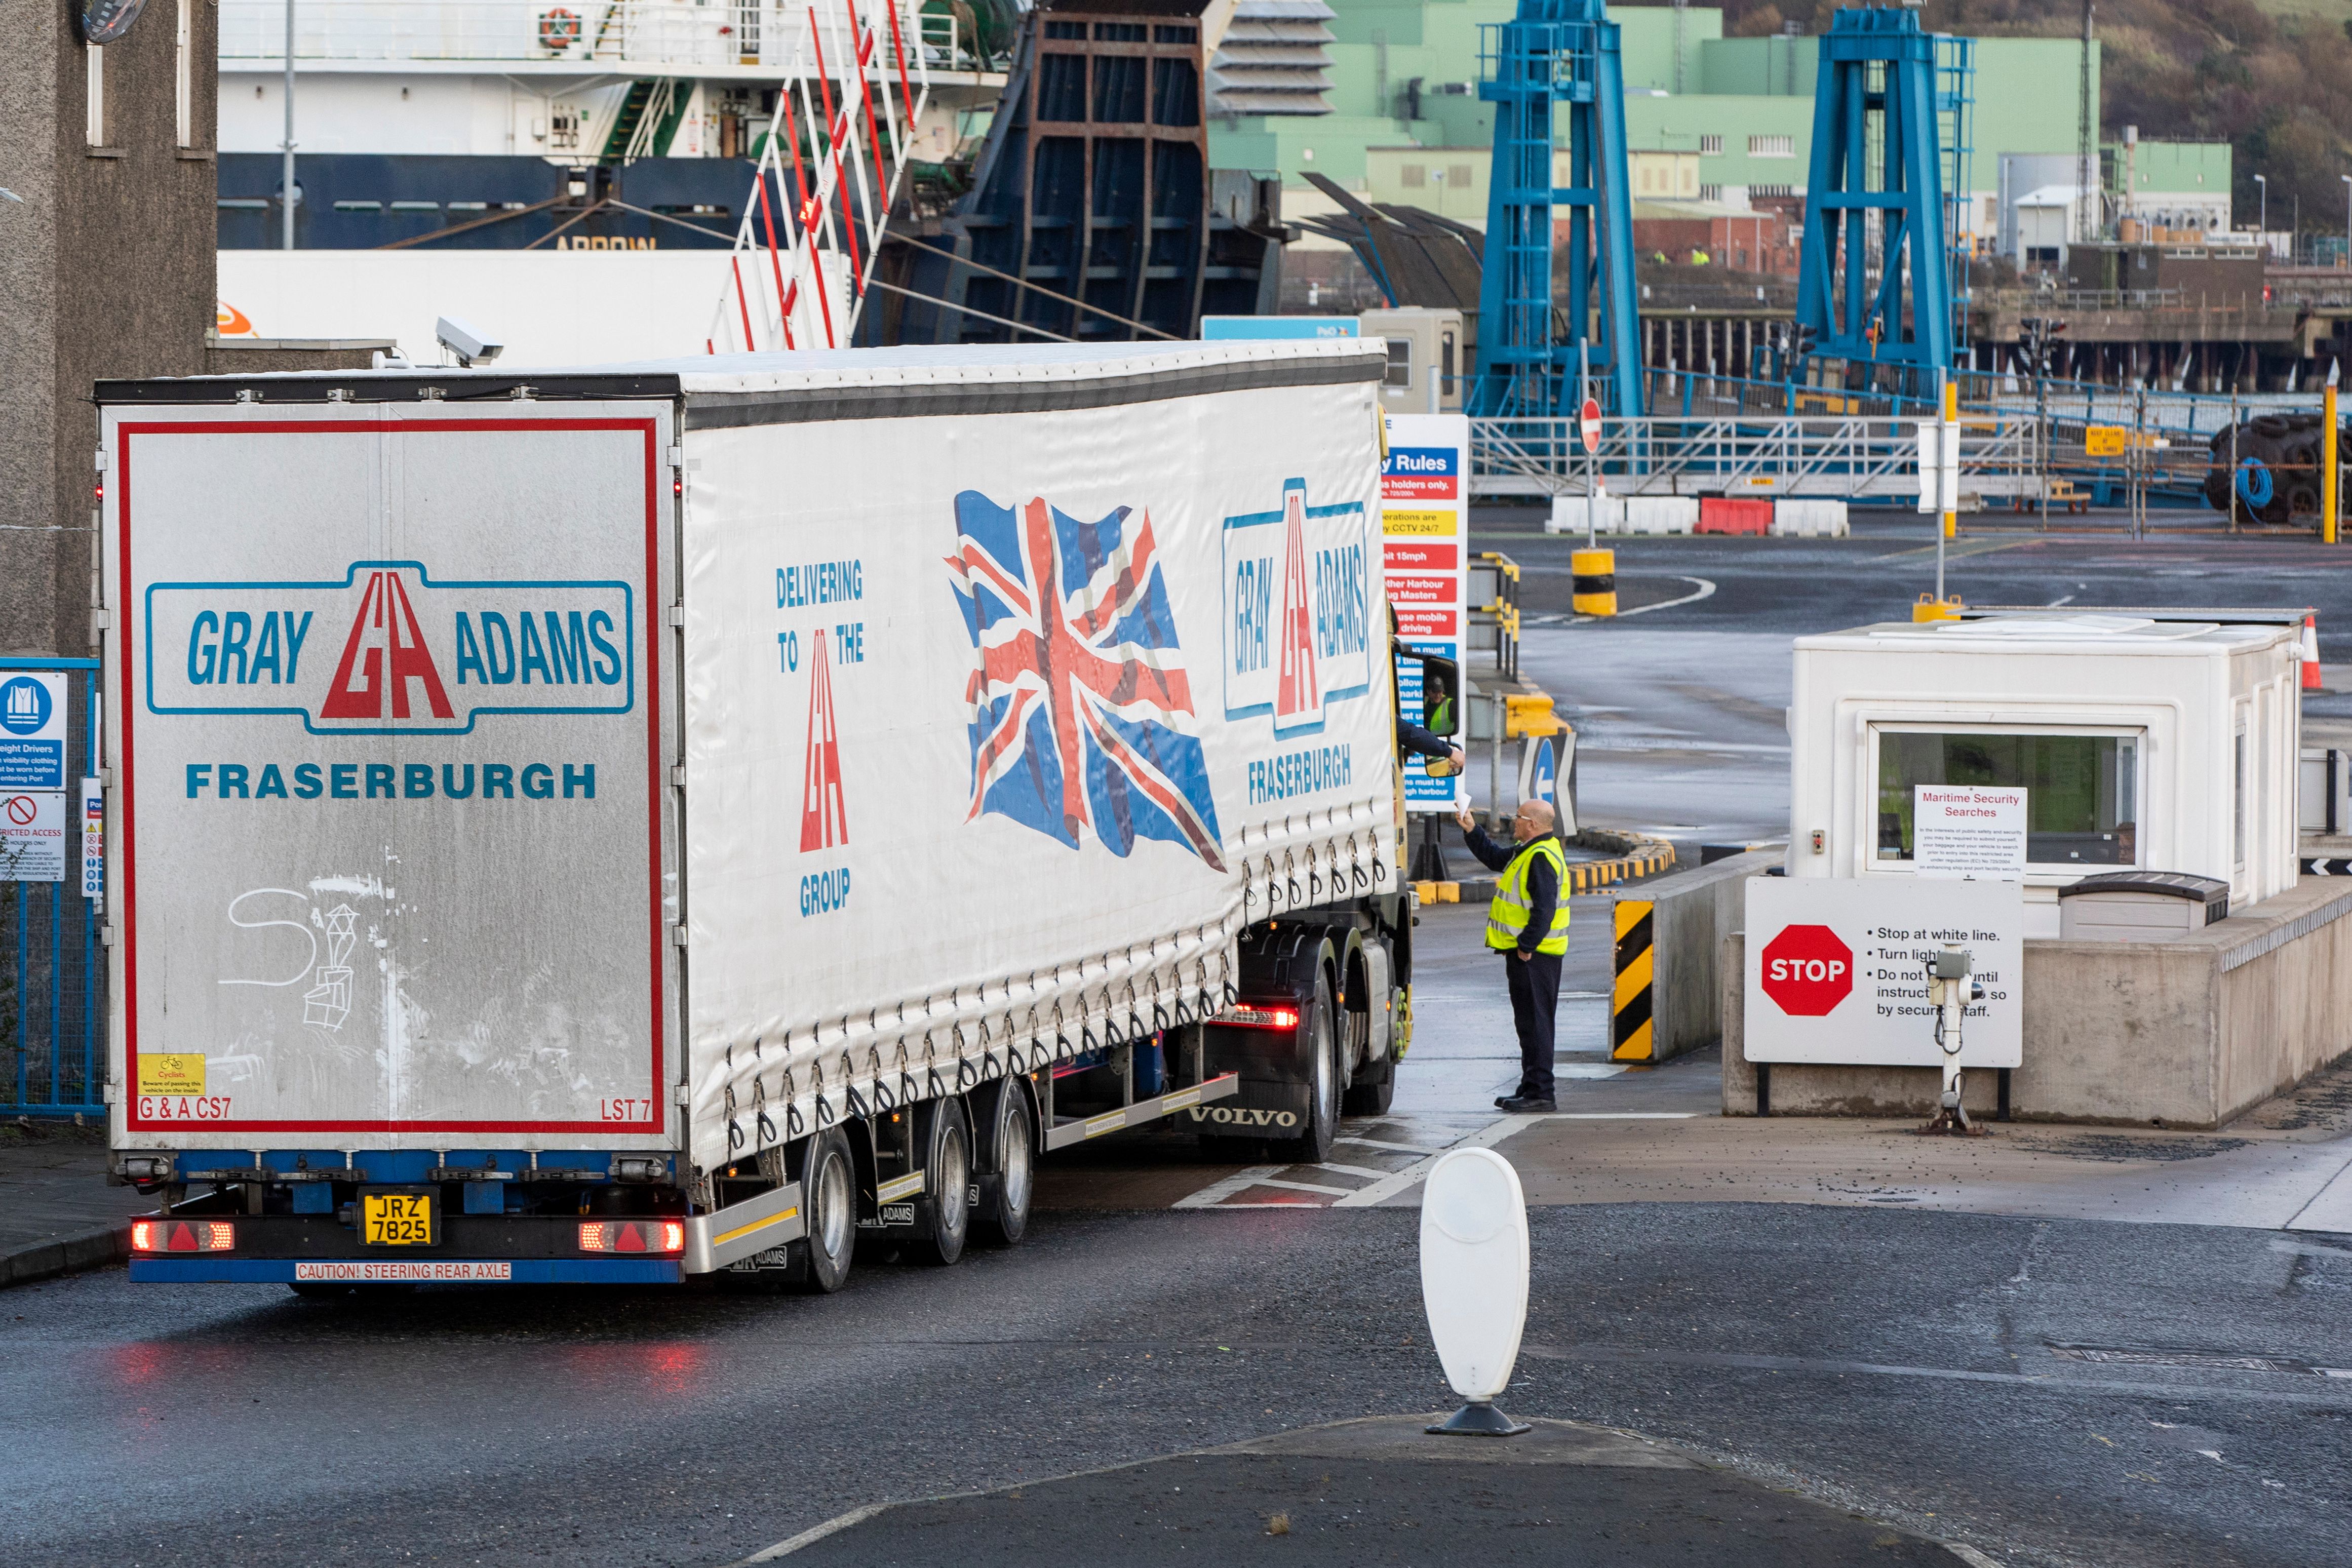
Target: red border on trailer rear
[652,619]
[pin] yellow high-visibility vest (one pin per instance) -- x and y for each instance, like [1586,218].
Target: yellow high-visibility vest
[1507,916]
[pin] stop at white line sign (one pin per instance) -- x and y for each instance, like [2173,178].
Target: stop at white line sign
[1837,969]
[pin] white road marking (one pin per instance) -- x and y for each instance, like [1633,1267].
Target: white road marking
[1705,590]
[1484,1138]
[1623,1115]
[811,1536]
[1349,1170]
[1399,1148]
[1306,1187]
[1209,1196]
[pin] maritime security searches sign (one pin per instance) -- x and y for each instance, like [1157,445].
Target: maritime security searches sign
[1837,969]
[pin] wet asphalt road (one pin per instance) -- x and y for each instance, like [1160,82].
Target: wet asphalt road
[1897,1364]
[1790,586]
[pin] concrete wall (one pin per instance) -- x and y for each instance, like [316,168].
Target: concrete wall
[1690,911]
[106,269]
[2193,1033]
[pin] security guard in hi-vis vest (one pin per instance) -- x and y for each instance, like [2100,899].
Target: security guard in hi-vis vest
[1527,924]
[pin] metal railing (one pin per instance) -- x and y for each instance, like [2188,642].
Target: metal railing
[600,31]
[1849,458]
[52,969]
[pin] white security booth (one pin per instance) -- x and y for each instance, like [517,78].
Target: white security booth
[2140,744]
[2157,762]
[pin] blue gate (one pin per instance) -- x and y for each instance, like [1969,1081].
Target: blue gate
[52,969]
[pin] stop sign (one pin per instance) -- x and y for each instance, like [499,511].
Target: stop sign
[1808,971]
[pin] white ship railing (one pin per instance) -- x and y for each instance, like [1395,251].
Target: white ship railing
[831,168]
[727,34]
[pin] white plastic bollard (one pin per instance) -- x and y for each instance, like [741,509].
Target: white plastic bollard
[1474,1282]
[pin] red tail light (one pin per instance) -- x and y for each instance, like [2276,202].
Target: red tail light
[633,1236]
[1258,1018]
[182,1235]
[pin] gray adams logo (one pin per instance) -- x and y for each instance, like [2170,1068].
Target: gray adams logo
[400,653]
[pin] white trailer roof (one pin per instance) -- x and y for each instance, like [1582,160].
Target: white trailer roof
[1167,369]
[2084,634]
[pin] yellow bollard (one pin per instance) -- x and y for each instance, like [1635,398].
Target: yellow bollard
[1951,432]
[1594,582]
[2331,489]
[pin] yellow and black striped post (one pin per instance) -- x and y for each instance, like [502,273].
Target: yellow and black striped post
[1592,581]
[1629,1003]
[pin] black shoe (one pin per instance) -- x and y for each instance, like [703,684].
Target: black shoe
[1522,1104]
[1505,1101]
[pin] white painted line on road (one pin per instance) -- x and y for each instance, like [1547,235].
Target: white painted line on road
[1484,1138]
[1705,590]
[811,1537]
[1208,1196]
[2330,1208]
[1641,743]
[1624,1115]
[1349,1170]
[1376,1143]
[1588,1070]
[1304,1186]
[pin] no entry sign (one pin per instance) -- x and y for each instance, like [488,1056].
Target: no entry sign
[1588,423]
[1837,969]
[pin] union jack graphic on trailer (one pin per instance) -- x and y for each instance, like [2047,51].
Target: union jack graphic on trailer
[1080,702]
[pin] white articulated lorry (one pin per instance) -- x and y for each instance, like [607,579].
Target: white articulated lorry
[620,825]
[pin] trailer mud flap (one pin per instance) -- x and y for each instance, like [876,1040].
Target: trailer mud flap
[716,1239]
[1259,1110]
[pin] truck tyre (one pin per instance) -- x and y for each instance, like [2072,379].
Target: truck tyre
[1368,1099]
[1313,1145]
[944,1212]
[1003,1216]
[829,1201]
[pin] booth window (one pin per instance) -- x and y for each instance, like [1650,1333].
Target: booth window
[2081,791]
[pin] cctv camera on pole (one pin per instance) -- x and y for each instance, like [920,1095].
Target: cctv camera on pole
[467,343]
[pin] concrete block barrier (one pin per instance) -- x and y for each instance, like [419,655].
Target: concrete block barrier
[1661,514]
[1568,515]
[1668,936]
[1651,515]
[1808,519]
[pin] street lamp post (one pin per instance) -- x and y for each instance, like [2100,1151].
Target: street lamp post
[2262,183]
[2348,219]
[286,174]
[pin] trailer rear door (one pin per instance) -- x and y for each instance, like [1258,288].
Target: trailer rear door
[387,701]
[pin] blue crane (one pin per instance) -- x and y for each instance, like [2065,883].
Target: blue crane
[1881,294]
[1557,51]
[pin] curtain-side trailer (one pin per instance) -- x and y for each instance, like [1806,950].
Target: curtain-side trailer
[620,825]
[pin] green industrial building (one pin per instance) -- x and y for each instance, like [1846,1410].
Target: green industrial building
[1715,125]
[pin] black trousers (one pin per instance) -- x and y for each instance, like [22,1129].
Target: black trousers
[1535,1000]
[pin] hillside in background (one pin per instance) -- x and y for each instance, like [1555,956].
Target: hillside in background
[2273,80]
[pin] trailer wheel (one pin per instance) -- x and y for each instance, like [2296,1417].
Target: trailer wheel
[946,1204]
[1004,1216]
[1368,1099]
[1313,1146]
[829,1194]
